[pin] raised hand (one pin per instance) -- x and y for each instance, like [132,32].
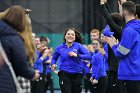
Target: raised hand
[45,54]
[112,41]
[27,11]
[122,1]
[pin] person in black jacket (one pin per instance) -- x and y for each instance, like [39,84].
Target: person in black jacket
[11,24]
[115,24]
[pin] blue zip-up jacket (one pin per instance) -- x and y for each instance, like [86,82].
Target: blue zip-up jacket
[48,69]
[98,65]
[128,51]
[106,55]
[86,68]
[38,65]
[70,64]
[38,54]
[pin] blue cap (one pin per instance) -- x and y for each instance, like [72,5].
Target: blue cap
[107,32]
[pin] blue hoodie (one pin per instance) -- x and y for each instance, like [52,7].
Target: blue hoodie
[98,65]
[38,65]
[128,51]
[70,64]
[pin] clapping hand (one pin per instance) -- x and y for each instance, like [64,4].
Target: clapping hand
[112,41]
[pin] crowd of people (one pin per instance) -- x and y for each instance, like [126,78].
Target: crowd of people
[109,64]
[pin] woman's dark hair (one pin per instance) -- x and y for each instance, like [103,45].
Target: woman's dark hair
[16,18]
[117,18]
[78,36]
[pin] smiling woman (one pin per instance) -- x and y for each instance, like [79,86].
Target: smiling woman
[75,34]
[70,36]
[70,52]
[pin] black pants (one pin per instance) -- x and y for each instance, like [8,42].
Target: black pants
[132,86]
[49,83]
[100,87]
[87,83]
[114,85]
[70,83]
[38,85]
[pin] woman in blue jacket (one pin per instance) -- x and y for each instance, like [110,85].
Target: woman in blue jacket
[98,79]
[70,52]
[42,56]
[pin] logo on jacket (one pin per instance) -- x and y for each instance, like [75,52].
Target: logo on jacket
[75,50]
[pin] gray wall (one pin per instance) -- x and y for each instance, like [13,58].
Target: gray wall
[53,15]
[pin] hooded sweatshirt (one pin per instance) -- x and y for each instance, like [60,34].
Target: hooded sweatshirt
[128,51]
